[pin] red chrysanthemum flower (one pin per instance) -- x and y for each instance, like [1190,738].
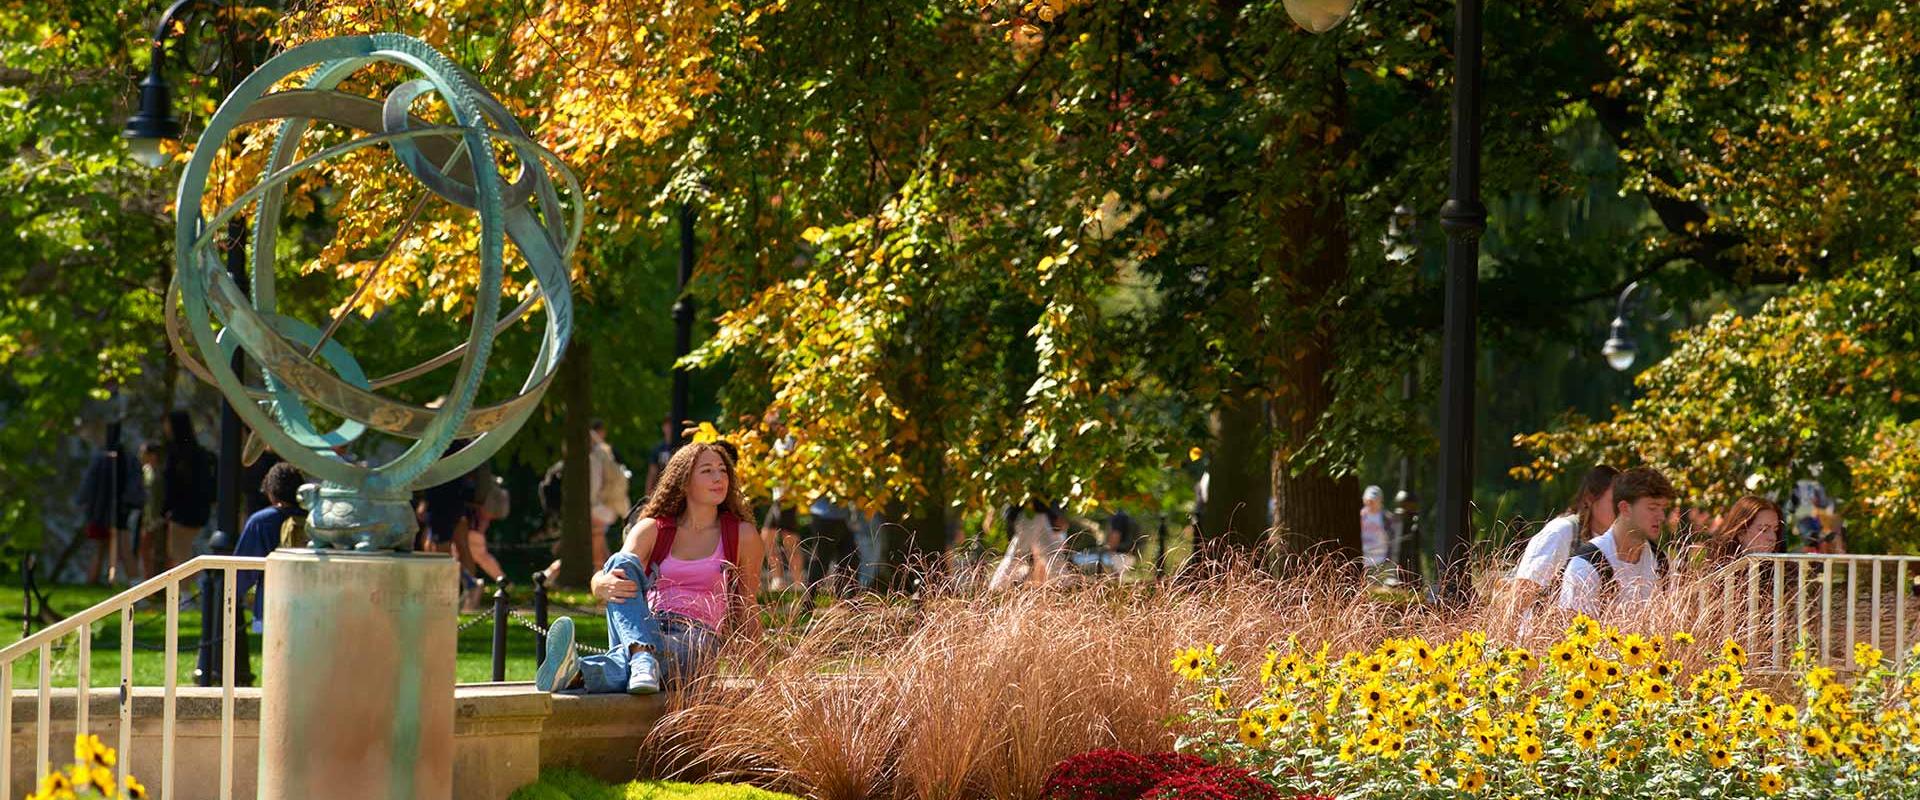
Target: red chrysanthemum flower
[1213,783]
[1104,774]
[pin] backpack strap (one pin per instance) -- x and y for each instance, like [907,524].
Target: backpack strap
[664,530]
[1590,553]
[1603,568]
[730,538]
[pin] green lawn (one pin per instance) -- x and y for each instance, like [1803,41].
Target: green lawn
[474,658]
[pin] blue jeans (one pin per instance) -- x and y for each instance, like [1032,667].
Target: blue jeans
[680,643]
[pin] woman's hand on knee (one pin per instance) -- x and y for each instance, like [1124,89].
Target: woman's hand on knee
[614,586]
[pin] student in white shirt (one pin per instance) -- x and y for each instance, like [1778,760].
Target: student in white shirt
[1623,565]
[1589,515]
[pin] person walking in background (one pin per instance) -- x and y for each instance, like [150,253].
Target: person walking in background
[1752,525]
[607,484]
[1036,545]
[269,529]
[610,480]
[1816,520]
[786,566]
[1624,565]
[491,502]
[832,534]
[1378,527]
[1120,538]
[661,453]
[188,481]
[674,587]
[1589,515]
[445,512]
[110,491]
[151,539]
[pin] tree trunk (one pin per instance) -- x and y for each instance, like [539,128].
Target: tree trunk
[1313,509]
[576,502]
[1235,514]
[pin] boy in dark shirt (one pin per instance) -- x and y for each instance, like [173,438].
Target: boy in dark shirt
[262,533]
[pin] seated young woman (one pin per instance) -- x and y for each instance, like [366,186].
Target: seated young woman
[673,586]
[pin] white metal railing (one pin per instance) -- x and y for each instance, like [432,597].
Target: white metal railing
[1774,603]
[81,626]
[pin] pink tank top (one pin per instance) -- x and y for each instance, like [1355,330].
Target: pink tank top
[696,589]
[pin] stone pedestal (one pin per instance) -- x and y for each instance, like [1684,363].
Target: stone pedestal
[357,690]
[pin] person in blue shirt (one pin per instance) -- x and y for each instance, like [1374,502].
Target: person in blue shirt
[263,530]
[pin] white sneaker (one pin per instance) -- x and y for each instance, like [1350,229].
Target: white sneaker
[561,667]
[643,673]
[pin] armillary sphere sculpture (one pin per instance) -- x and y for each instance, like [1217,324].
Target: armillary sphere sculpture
[354,506]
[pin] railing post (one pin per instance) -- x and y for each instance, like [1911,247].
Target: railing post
[500,614]
[539,618]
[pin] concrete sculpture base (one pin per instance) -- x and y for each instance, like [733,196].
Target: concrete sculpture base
[358,675]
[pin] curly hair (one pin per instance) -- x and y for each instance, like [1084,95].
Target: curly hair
[282,484]
[669,498]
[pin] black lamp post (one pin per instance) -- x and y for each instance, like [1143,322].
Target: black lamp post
[1464,219]
[152,124]
[682,327]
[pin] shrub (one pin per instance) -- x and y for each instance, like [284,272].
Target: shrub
[1213,783]
[1104,774]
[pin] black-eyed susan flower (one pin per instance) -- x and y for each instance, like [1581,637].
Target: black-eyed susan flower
[1192,664]
[1580,693]
[1719,757]
[1816,742]
[1428,775]
[1587,736]
[1251,732]
[1489,743]
[1656,691]
[1679,743]
[1771,783]
[1474,781]
[1530,749]
[1867,656]
[1634,650]
[1733,653]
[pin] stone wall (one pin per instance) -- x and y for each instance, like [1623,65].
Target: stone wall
[503,734]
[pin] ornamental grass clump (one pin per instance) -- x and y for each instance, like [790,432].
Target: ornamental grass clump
[1599,713]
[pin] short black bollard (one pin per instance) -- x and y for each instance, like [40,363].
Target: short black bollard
[539,618]
[500,615]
